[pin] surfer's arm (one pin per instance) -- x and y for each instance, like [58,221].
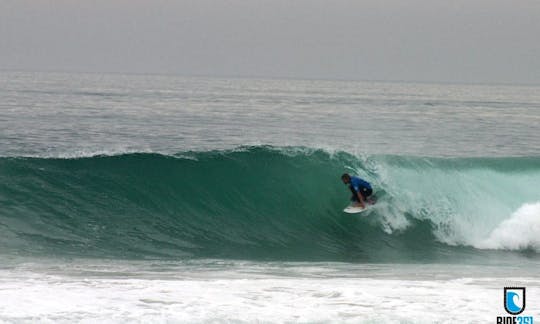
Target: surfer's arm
[361,200]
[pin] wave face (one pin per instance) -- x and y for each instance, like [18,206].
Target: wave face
[267,203]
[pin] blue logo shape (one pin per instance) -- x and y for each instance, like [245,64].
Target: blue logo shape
[514,300]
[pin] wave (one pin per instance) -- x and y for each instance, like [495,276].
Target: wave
[267,203]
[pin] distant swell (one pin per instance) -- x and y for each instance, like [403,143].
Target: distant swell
[266,203]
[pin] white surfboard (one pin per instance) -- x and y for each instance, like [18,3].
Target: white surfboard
[354,209]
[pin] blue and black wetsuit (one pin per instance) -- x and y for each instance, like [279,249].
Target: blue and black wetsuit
[358,185]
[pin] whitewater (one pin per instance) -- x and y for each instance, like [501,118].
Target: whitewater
[129,198]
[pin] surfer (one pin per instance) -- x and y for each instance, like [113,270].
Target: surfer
[360,189]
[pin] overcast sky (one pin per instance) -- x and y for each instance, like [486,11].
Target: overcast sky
[494,41]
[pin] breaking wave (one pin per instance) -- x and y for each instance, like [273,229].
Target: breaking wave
[267,203]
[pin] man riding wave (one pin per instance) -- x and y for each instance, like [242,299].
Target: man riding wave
[361,189]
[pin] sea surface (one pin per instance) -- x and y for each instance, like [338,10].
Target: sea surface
[151,198]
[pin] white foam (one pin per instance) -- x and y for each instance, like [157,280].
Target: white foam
[521,231]
[86,153]
[244,294]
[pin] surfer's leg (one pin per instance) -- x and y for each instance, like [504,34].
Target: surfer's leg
[367,195]
[366,192]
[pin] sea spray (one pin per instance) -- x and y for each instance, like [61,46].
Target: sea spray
[519,232]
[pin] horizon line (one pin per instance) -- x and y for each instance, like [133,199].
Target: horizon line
[284,78]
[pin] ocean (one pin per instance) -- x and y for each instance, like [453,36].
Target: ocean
[167,199]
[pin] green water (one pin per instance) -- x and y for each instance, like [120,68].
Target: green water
[261,203]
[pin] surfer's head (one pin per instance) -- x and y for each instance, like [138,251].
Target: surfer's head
[346,178]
